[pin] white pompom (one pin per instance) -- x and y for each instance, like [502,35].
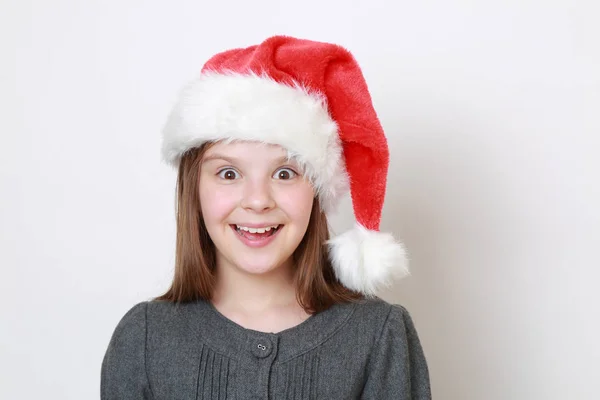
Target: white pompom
[367,261]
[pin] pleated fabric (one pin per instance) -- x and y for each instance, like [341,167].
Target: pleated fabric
[298,377]
[213,376]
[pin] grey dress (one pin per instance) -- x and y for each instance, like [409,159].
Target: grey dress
[365,350]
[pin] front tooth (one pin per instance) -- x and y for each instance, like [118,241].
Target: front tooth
[257,230]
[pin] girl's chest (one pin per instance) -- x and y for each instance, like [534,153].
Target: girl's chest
[334,370]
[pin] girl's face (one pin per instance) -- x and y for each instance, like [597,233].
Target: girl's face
[255,204]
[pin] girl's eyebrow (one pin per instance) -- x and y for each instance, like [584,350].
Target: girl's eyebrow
[219,157]
[233,160]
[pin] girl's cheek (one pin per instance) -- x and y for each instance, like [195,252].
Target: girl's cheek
[298,198]
[211,194]
[220,198]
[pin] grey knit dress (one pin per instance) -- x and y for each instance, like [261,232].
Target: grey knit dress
[365,350]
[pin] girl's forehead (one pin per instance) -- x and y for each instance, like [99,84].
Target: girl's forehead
[247,150]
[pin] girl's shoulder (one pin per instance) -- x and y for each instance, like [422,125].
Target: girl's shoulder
[396,355]
[151,313]
[376,309]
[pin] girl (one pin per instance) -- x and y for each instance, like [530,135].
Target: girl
[264,304]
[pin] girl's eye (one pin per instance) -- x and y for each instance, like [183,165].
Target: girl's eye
[285,173]
[228,174]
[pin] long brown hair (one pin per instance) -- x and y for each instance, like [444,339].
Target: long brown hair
[317,287]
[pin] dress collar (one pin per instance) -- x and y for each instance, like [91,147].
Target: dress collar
[232,339]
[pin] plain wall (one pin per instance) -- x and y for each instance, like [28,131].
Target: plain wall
[491,111]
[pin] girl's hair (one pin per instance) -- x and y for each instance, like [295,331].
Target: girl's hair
[317,287]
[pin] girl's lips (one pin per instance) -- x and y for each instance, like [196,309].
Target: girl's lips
[255,240]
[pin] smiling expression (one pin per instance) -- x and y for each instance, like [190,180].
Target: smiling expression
[255,203]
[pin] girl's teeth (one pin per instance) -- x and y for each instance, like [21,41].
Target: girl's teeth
[256,230]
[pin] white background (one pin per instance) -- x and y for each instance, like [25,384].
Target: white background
[491,110]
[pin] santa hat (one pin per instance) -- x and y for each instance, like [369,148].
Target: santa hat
[312,99]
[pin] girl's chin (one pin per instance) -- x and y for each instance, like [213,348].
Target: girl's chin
[260,266]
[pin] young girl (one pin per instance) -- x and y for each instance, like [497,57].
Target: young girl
[264,304]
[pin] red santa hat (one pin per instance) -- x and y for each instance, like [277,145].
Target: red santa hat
[312,99]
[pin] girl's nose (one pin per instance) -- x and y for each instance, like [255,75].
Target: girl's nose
[258,196]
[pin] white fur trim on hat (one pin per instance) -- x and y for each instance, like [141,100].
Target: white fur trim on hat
[233,106]
[367,261]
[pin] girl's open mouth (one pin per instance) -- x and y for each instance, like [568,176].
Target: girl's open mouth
[256,237]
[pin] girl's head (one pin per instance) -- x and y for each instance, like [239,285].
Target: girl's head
[273,134]
[255,204]
[226,189]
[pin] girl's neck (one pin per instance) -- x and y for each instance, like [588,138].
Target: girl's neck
[262,302]
[254,293]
